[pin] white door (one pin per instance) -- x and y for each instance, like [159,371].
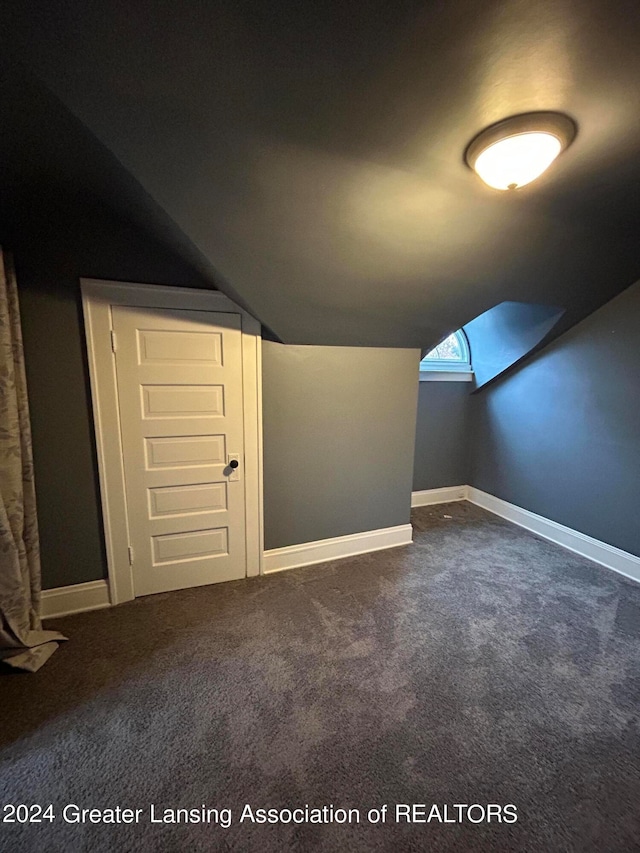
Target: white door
[179,378]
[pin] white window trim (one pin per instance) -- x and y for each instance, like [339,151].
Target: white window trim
[441,375]
[97,299]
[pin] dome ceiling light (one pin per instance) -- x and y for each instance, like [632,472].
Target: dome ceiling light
[512,153]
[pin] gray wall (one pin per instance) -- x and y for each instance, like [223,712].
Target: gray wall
[441,445]
[561,435]
[339,426]
[66,486]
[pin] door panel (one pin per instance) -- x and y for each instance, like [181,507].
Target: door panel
[182,451]
[167,401]
[178,500]
[179,377]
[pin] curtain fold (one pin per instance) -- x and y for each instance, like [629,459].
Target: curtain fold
[23,643]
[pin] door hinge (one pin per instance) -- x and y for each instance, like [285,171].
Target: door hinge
[130,555]
[114,343]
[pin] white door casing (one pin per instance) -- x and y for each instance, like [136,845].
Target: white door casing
[179,377]
[170,511]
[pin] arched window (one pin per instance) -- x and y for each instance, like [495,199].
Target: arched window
[452,355]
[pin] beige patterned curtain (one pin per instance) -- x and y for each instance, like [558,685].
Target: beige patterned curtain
[23,643]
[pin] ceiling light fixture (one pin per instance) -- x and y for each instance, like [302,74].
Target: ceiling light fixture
[512,153]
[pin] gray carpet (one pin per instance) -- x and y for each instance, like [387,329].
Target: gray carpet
[480,665]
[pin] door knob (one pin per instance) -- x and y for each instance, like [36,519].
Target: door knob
[233,464]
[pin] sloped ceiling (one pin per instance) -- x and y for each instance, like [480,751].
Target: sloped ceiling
[506,333]
[312,153]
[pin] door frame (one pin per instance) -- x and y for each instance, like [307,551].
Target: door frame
[97,299]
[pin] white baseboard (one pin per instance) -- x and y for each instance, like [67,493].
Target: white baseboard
[593,549]
[95,594]
[295,556]
[65,600]
[439,496]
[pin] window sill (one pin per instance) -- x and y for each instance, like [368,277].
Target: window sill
[446,376]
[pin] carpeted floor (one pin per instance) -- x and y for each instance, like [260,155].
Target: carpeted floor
[480,665]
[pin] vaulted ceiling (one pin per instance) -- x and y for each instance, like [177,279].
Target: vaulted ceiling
[312,153]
